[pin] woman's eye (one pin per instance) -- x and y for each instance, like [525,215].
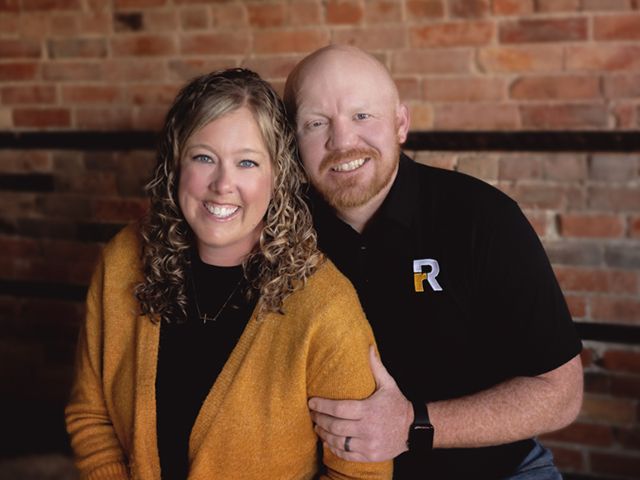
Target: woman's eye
[247,163]
[203,158]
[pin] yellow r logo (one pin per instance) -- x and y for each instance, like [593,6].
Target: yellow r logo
[418,278]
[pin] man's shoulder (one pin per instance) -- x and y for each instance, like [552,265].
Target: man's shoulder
[451,188]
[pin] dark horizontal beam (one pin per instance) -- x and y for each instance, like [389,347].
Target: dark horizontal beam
[528,141]
[601,332]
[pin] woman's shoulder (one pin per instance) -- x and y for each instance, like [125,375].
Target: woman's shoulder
[123,252]
[328,282]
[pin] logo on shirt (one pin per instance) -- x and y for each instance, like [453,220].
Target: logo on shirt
[430,276]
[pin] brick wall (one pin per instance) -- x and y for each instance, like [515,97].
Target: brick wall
[462,65]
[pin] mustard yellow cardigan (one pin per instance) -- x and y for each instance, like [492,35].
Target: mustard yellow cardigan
[254,423]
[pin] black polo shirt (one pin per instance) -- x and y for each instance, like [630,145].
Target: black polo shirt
[460,295]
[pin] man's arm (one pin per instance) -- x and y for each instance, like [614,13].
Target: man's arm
[518,408]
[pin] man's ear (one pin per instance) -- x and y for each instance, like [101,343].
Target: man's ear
[402,122]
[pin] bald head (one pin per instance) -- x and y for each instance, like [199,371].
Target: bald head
[339,63]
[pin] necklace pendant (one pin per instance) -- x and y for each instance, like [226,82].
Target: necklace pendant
[205,318]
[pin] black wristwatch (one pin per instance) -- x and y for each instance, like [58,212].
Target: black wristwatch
[421,430]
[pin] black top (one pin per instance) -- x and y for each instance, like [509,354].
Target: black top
[460,295]
[191,356]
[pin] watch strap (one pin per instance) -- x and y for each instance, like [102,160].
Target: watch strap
[421,430]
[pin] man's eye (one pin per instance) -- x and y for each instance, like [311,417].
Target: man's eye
[362,116]
[247,163]
[314,124]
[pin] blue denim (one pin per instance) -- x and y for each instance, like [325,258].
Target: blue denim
[537,465]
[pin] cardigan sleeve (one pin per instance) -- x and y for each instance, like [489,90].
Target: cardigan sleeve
[97,450]
[338,368]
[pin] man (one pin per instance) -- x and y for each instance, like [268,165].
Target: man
[481,352]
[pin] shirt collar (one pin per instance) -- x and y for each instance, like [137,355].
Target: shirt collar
[401,205]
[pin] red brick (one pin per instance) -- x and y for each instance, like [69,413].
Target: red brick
[622,86]
[463,89]
[570,87]
[548,196]
[595,5]
[305,13]
[616,310]
[141,45]
[91,94]
[421,115]
[230,15]
[557,5]
[468,8]
[18,71]
[587,359]
[344,11]
[17,247]
[134,70]
[547,30]
[283,41]
[481,166]
[232,43]
[564,167]
[538,220]
[431,61]
[96,22]
[521,59]
[444,160]
[152,94]
[564,116]
[624,26]
[51,5]
[383,11]
[577,305]
[263,15]
[596,382]
[451,34]
[197,18]
[624,115]
[596,280]
[408,88]
[520,167]
[23,48]
[568,459]
[73,71]
[372,38]
[9,23]
[614,167]
[512,7]
[26,94]
[625,386]
[628,438]
[603,57]
[621,361]
[9,5]
[627,466]
[615,411]
[634,226]
[475,116]
[25,161]
[138,4]
[424,9]
[278,66]
[583,434]
[77,48]
[106,118]
[149,118]
[614,198]
[64,25]
[42,117]
[160,20]
[622,255]
[183,70]
[118,209]
[33,26]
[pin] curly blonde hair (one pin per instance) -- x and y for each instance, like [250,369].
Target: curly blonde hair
[286,254]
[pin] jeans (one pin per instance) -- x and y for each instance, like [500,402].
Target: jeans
[537,465]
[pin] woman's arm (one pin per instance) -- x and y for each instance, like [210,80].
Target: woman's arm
[339,369]
[97,450]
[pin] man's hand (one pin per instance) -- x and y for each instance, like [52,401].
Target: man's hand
[378,425]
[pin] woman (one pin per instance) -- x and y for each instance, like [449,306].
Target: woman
[210,325]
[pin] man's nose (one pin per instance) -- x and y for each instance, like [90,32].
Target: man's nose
[341,135]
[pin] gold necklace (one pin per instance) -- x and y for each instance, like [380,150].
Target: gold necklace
[206,317]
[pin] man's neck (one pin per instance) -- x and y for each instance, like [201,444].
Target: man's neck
[359,217]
